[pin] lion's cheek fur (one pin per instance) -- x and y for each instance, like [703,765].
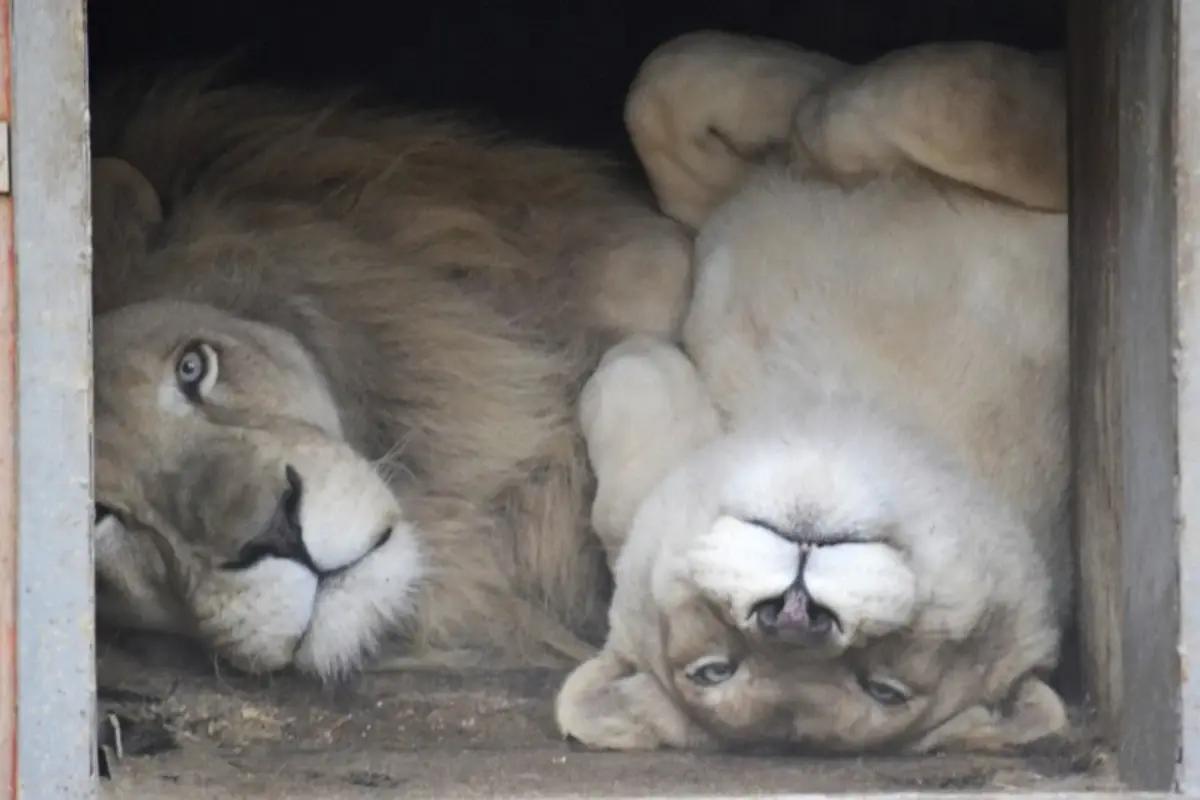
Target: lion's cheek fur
[739,565]
[867,585]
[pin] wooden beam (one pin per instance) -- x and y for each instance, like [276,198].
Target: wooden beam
[1123,66]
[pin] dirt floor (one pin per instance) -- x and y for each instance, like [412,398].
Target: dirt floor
[190,730]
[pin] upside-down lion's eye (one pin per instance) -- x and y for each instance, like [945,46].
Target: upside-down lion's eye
[196,369]
[885,691]
[711,671]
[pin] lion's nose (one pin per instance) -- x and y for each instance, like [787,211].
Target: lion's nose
[102,512]
[282,536]
[795,616]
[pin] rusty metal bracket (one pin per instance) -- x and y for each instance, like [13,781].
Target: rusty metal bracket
[5,161]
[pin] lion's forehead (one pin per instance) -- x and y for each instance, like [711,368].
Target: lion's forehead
[140,323]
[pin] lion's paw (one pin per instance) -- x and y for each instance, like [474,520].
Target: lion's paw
[641,411]
[706,106]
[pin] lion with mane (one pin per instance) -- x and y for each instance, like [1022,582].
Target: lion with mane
[337,357]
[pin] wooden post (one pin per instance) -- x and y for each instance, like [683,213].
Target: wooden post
[1123,78]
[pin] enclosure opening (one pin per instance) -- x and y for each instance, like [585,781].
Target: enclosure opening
[557,72]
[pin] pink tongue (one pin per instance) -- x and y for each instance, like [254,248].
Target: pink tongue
[794,613]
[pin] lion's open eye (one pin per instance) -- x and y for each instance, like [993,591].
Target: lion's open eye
[196,370]
[710,671]
[885,691]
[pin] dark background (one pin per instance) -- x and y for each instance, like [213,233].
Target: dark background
[554,69]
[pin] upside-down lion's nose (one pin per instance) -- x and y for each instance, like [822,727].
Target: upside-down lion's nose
[794,615]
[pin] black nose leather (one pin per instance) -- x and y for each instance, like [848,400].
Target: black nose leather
[102,511]
[282,536]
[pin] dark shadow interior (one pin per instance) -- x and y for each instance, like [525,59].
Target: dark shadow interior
[555,69]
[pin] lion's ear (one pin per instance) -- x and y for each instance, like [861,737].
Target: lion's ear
[125,209]
[1036,712]
[120,193]
[606,705]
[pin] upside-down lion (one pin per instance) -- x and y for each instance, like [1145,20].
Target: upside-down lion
[338,352]
[836,509]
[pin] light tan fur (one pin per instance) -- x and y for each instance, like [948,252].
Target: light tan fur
[398,308]
[837,510]
[752,100]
